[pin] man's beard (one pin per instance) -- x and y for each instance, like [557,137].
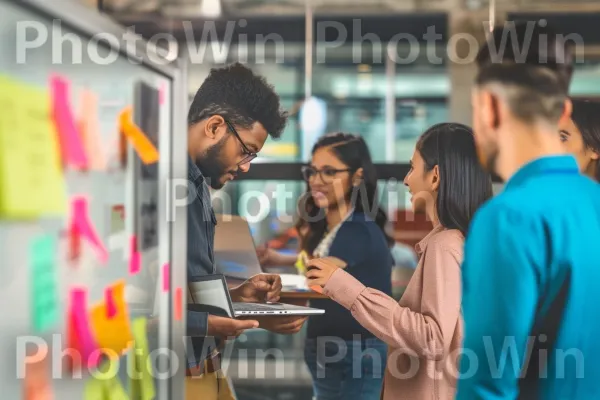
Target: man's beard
[212,166]
[487,155]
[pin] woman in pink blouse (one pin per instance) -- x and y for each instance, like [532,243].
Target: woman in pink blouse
[423,330]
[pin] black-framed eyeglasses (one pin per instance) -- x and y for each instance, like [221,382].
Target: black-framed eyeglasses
[326,174]
[248,155]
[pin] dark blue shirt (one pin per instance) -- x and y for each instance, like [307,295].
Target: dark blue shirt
[531,286]
[363,246]
[201,222]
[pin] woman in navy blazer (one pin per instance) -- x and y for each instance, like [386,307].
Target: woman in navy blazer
[344,221]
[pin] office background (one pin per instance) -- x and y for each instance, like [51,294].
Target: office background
[387,103]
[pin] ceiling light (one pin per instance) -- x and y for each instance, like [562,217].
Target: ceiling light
[210,8]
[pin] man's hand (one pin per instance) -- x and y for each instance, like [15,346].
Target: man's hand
[258,289]
[321,269]
[282,325]
[226,328]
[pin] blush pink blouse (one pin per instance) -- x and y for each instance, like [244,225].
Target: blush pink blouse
[423,330]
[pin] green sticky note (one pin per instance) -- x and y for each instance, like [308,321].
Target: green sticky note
[95,390]
[44,296]
[142,382]
[115,390]
[32,182]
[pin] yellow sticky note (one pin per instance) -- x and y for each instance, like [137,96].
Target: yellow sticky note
[31,179]
[111,329]
[142,383]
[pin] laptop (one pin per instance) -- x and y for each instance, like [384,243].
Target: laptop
[235,252]
[211,294]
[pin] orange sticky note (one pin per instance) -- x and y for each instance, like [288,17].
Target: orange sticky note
[90,131]
[140,142]
[37,380]
[114,333]
[317,289]
[178,304]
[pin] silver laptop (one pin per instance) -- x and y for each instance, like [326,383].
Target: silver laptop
[210,294]
[235,252]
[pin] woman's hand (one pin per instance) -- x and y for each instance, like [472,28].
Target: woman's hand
[321,269]
[268,257]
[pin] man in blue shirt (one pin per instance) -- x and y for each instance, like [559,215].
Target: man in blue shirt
[229,120]
[531,273]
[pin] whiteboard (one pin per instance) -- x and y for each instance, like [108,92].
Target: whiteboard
[114,84]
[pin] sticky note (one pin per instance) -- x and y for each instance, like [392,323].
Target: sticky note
[95,389]
[142,383]
[178,304]
[111,307]
[32,182]
[162,93]
[166,274]
[115,390]
[90,131]
[43,282]
[72,149]
[106,383]
[138,139]
[317,289]
[82,225]
[80,334]
[36,383]
[114,333]
[135,258]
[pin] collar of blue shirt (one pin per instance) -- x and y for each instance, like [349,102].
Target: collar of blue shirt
[542,166]
[194,172]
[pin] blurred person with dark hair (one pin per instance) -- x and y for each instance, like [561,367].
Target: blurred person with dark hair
[229,120]
[531,275]
[341,218]
[423,330]
[581,136]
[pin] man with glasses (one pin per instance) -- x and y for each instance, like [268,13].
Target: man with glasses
[229,120]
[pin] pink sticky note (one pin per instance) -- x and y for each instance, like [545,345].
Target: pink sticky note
[83,224]
[90,131]
[135,259]
[111,307]
[161,93]
[166,277]
[72,149]
[85,339]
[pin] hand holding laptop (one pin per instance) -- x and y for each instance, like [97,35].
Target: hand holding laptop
[225,328]
[260,288]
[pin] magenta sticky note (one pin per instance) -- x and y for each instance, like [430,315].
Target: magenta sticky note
[83,224]
[85,338]
[135,258]
[72,149]
[111,307]
[166,277]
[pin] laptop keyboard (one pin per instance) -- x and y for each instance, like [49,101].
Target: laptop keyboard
[256,307]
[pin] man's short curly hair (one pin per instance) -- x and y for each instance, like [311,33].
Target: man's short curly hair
[242,97]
